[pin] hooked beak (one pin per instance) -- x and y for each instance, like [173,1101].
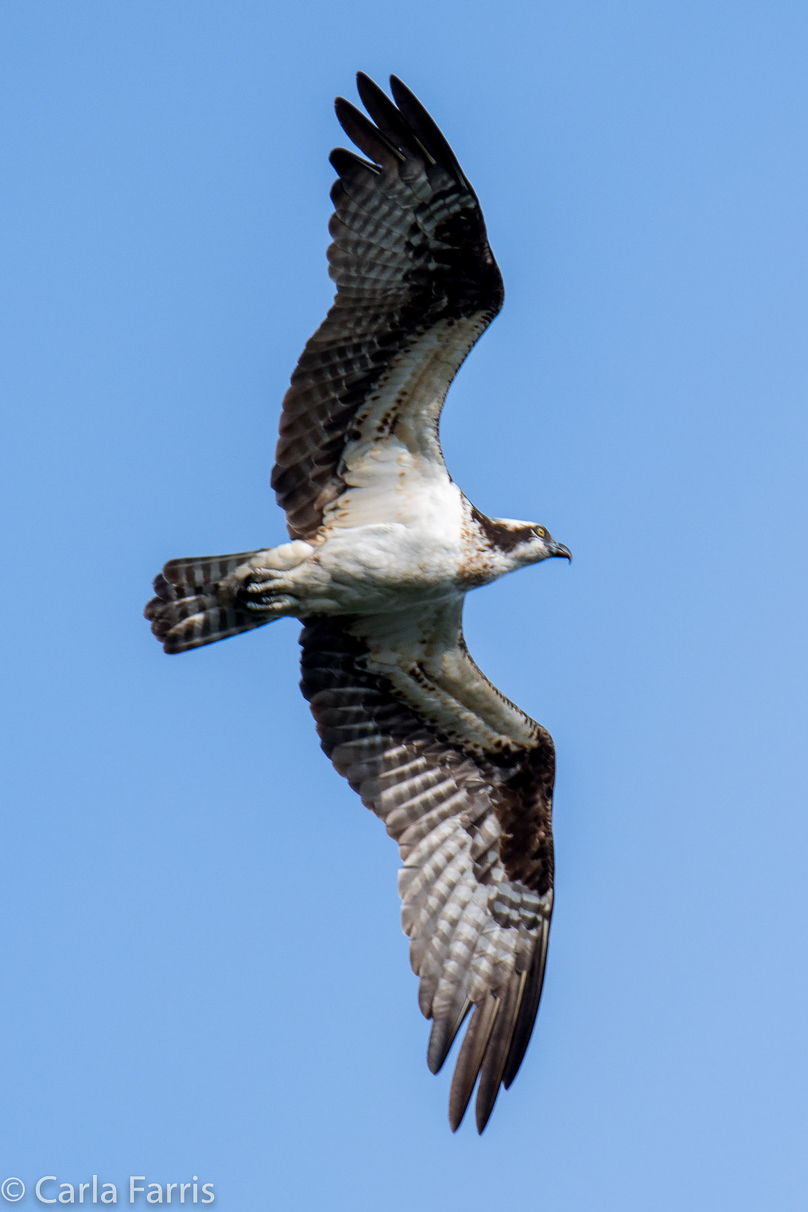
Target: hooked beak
[558,549]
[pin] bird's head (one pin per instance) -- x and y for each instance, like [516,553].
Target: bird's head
[540,545]
[523,543]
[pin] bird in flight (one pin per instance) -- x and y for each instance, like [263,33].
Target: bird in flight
[383,549]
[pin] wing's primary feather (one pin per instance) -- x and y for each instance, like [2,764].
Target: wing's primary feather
[416,281]
[471,812]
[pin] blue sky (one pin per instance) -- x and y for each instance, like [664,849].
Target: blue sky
[203,970]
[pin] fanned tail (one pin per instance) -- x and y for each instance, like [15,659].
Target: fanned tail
[196,601]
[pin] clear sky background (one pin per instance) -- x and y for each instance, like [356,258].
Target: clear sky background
[202,965]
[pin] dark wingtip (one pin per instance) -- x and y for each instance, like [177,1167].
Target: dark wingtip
[427,129]
[526,1017]
[484,1114]
[470,1058]
[443,1035]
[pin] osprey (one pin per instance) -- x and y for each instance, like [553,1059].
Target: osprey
[383,549]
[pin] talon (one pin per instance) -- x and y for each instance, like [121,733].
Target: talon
[274,603]
[272,584]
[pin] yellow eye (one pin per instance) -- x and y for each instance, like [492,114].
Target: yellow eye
[541,532]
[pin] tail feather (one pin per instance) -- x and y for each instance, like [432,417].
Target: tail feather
[196,602]
[201,573]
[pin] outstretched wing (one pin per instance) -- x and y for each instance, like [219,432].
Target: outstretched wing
[416,286]
[463,780]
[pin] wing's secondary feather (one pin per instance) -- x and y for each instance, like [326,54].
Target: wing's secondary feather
[473,825]
[411,261]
